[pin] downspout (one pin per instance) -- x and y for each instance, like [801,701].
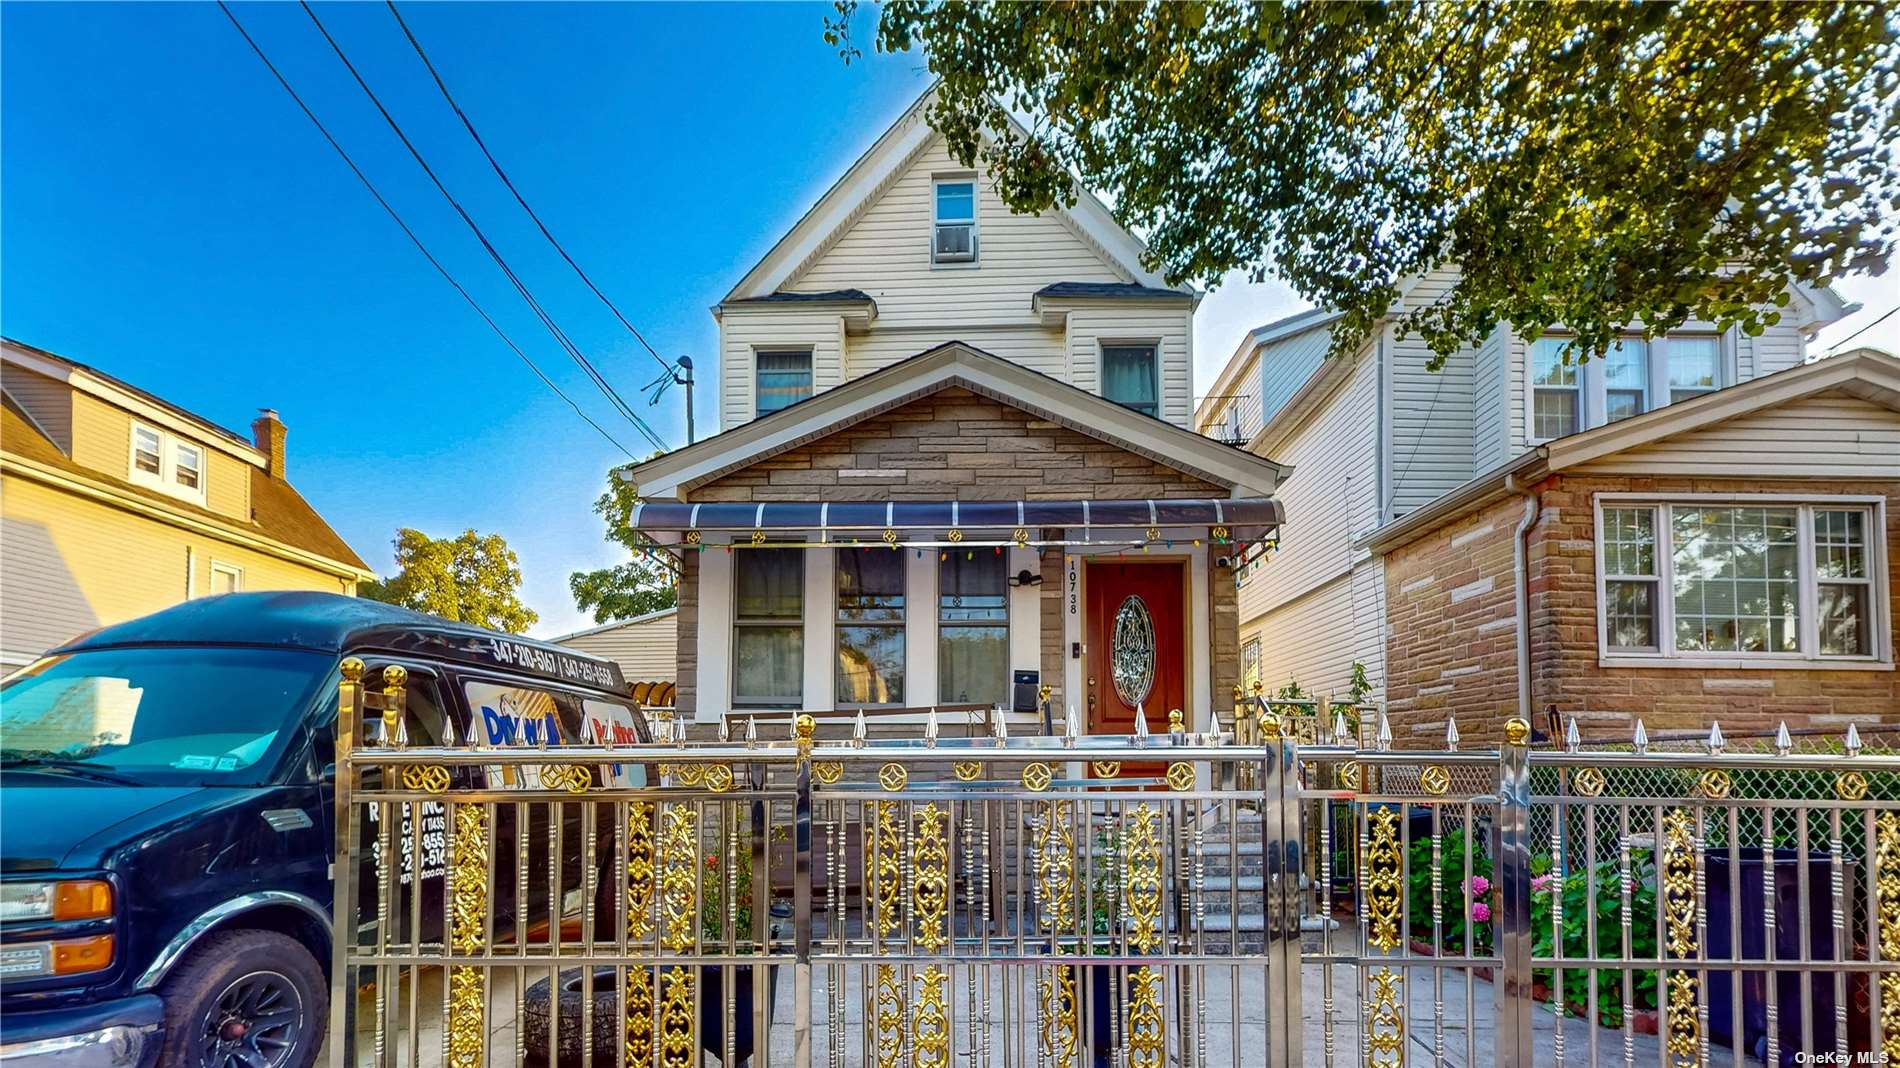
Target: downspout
[1520,554]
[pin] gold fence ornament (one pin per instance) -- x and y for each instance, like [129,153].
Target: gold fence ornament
[930,901]
[1887,893]
[1385,1019]
[1147,1037]
[1714,784]
[395,677]
[1107,769]
[886,921]
[966,770]
[426,778]
[1181,776]
[1037,776]
[691,537]
[1588,782]
[1060,1030]
[689,774]
[893,777]
[1434,779]
[1680,861]
[1850,786]
[1348,774]
[574,778]
[1021,537]
[719,778]
[1517,731]
[1382,885]
[827,772]
[679,902]
[1141,877]
[468,911]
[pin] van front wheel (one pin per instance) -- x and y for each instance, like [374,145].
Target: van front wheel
[244,999]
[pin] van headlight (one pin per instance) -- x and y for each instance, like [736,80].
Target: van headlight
[65,899]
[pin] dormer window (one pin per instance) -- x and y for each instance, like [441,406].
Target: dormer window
[163,462]
[953,237]
[1130,378]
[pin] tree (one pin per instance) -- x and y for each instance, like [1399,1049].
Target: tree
[472,578]
[643,584]
[1588,165]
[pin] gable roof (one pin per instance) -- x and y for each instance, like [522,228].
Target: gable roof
[1250,344]
[1869,374]
[278,512]
[881,164]
[954,364]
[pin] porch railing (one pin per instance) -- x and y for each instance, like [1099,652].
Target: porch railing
[1174,899]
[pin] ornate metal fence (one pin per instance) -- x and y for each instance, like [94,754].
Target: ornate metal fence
[1180,899]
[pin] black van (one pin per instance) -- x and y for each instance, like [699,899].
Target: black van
[167,822]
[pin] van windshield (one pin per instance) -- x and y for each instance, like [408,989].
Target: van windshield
[158,715]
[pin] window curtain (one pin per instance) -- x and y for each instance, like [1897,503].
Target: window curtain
[1128,376]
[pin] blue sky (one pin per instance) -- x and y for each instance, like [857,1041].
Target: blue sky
[170,217]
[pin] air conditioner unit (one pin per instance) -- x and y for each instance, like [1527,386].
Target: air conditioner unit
[956,243]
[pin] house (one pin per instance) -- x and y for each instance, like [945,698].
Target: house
[1704,520]
[955,466]
[644,646]
[115,503]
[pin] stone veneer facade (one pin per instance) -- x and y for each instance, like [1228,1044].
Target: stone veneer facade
[956,444]
[1451,634]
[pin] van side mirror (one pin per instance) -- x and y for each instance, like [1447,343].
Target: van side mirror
[328,775]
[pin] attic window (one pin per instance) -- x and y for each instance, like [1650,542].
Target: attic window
[953,235]
[162,461]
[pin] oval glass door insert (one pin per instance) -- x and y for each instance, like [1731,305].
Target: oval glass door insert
[1132,652]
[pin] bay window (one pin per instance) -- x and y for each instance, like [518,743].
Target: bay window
[870,627]
[768,628]
[1739,578]
[972,628]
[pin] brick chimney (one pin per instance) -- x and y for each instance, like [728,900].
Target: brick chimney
[268,432]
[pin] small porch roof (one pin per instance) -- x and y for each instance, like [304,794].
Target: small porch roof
[1244,519]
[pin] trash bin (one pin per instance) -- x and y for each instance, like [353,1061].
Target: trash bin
[1744,877]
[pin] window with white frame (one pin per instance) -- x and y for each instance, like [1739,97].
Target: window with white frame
[167,463]
[768,651]
[1556,393]
[784,378]
[953,233]
[1633,377]
[870,627]
[1738,579]
[1250,661]
[226,578]
[1130,377]
[973,627]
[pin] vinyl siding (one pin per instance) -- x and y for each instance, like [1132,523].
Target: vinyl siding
[73,564]
[1830,435]
[1306,598]
[102,440]
[886,253]
[1286,364]
[1429,412]
[49,402]
[743,332]
[1491,401]
[647,651]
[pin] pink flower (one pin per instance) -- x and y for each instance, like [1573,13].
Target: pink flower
[1481,913]
[1479,886]
[1542,883]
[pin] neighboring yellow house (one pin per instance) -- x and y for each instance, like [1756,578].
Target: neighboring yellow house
[115,503]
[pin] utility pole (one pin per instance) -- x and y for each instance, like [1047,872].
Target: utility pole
[686,364]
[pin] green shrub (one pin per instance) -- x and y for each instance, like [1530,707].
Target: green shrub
[1609,930]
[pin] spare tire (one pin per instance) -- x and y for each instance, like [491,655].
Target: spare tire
[534,1017]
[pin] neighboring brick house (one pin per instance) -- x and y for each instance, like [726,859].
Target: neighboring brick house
[954,466]
[1392,559]
[1728,559]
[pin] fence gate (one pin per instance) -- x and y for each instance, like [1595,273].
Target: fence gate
[1231,898]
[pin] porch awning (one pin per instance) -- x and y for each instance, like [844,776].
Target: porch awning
[1240,520]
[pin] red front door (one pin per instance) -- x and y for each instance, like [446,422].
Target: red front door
[1137,637]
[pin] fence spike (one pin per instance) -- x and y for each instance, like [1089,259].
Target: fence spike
[1783,743]
[1451,734]
[1853,740]
[1141,722]
[999,726]
[1340,736]
[1573,738]
[930,726]
[725,729]
[1213,725]
[1641,741]
[1382,741]
[1071,726]
[1716,743]
[859,730]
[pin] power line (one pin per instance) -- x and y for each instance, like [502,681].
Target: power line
[411,234]
[1864,329]
[560,336]
[665,364]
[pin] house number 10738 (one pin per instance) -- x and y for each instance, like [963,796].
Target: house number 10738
[1075,587]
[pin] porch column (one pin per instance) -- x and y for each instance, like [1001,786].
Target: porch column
[715,635]
[821,629]
[920,626]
